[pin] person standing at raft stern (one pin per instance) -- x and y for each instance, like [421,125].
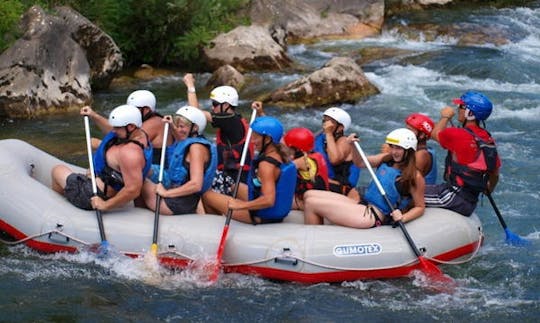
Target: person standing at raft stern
[268,196]
[121,163]
[231,133]
[472,163]
[145,101]
[191,165]
[333,145]
[312,172]
[401,180]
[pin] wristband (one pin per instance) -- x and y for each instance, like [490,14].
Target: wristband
[191,89]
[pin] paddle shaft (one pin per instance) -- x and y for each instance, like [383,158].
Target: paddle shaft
[496,209]
[221,246]
[383,193]
[93,176]
[160,179]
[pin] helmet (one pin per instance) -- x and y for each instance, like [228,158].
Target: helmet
[142,98]
[420,122]
[340,116]
[194,115]
[300,138]
[477,103]
[268,126]
[224,94]
[125,114]
[402,137]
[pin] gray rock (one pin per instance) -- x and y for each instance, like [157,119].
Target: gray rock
[50,68]
[339,80]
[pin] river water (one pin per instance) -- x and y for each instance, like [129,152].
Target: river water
[501,284]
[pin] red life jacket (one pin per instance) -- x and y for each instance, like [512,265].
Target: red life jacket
[229,154]
[318,181]
[473,176]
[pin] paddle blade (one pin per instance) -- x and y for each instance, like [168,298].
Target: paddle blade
[515,240]
[103,249]
[436,279]
[153,249]
[216,266]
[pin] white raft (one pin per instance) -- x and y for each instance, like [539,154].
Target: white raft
[32,213]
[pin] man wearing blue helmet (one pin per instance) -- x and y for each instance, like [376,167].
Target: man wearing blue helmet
[268,195]
[472,164]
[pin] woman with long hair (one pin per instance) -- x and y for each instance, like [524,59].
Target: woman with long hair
[402,182]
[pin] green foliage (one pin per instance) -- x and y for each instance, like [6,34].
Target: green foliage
[157,32]
[10,12]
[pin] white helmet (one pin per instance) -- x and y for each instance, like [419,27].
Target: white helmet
[402,137]
[194,115]
[340,115]
[142,98]
[224,94]
[125,114]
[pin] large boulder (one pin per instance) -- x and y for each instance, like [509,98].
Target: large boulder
[339,80]
[315,19]
[52,66]
[246,48]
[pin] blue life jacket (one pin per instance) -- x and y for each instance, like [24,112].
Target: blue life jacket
[285,187]
[177,172]
[346,173]
[431,177]
[387,176]
[109,176]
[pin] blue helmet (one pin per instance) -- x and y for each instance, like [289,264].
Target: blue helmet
[268,126]
[477,103]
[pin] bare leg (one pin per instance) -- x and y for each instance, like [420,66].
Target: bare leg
[59,174]
[149,196]
[337,208]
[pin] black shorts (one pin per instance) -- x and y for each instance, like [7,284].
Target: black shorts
[183,204]
[450,197]
[78,191]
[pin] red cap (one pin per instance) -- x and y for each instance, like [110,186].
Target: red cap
[458,101]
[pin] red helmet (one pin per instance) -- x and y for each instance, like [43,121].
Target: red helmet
[420,122]
[300,138]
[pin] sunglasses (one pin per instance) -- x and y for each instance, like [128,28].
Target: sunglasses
[215,103]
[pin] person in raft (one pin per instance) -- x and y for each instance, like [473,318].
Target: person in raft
[121,163]
[231,133]
[190,168]
[312,172]
[402,182]
[268,196]
[332,144]
[472,163]
[145,101]
[426,161]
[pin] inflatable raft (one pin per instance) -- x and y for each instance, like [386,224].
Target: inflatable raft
[31,213]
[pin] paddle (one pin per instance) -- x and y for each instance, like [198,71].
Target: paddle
[431,271]
[154,246]
[511,238]
[103,249]
[221,246]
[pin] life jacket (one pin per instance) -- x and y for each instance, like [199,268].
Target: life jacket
[177,171]
[431,176]
[109,176]
[156,155]
[475,175]
[316,177]
[285,187]
[229,155]
[387,176]
[347,173]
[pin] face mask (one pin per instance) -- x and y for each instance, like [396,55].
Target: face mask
[221,120]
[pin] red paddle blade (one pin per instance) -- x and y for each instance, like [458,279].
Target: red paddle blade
[436,280]
[216,266]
